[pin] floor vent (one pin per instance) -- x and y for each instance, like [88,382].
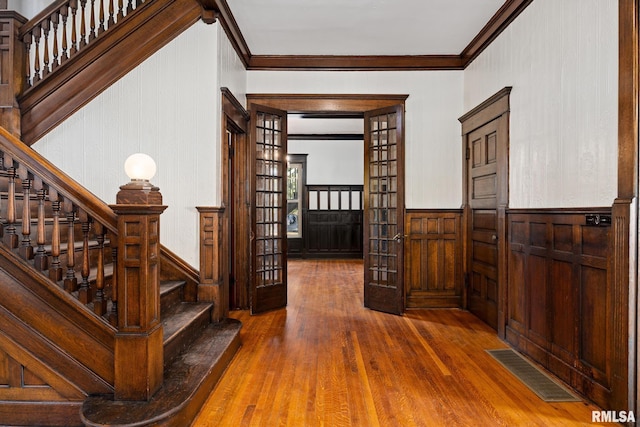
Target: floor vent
[533,377]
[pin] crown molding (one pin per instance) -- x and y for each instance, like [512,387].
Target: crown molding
[355,63]
[496,25]
[219,10]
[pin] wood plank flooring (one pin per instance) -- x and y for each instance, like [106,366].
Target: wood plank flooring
[328,361]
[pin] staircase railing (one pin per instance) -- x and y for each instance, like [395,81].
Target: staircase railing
[62,229]
[66,27]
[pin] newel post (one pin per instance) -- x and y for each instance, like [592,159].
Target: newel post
[13,69]
[138,348]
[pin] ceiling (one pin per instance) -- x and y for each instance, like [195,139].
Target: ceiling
[361,27]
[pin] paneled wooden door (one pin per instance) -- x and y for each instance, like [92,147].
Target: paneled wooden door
[384,209]
[482,187]
[268,232]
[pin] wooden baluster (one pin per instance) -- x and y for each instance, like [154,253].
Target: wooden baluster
[120,10]
[113,315]
[26,250]
[64,54]
[55,271]
[40,260]
[70,281]
[83,24]
[11,238]
[101,27]
[27,40]
[55,20]
[100,302]
[112,16]
[129,6]
[84,291]
[37,34]
[74,30]
[92,21]
[45,42]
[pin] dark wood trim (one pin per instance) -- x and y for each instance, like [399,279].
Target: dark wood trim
[343,103]
[426,211]
[501,20]
[624,347]
[235,228]
[491,108]
[355,63]
[325,137]
[221,11]
[628,103]
[547,211]
[234,109]
[496,25]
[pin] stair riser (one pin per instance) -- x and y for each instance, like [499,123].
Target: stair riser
[174,347]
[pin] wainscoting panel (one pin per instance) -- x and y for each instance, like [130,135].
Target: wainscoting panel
[433,258]
[332,226]
[559,298]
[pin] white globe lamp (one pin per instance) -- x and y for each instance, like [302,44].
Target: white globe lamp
[140,167]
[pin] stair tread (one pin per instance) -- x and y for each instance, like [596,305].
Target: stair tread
[166,286]
[188,380]
[180,315]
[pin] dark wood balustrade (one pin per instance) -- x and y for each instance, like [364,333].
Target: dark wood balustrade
[63,230]
[65,28]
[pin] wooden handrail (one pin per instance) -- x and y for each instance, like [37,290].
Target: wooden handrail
[58,180]
[44,15]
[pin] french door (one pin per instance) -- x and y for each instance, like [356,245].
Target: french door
[268,231]
[384,209]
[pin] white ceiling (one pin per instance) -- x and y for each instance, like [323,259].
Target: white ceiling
[361,27]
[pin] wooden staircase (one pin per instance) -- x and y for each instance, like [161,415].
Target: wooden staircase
[61,311]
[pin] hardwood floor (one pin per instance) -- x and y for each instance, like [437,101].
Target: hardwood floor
[328,361]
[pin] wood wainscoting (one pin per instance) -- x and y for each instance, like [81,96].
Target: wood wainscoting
[433,258]
[559,295]
[332,226]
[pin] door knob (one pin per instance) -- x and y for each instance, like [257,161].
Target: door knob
[494,237]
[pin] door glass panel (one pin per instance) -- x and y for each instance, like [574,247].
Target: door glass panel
[269,188]
[383,214]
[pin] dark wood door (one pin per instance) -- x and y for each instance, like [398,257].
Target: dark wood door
[384,209]
[483,186]
[269,233]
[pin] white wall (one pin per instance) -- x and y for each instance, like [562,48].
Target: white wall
[561,57]
[169,108]
[28,8]
[331,162]
[432,137]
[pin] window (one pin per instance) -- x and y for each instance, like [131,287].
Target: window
[294,200]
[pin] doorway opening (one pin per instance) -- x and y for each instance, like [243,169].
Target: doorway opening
[383,195]
[325,185]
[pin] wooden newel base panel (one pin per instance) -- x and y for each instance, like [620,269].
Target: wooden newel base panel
[139,346]
[139,364]
[213,258]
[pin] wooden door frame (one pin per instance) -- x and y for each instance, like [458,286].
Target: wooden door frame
[495,107]
[236,120]
[328,103]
